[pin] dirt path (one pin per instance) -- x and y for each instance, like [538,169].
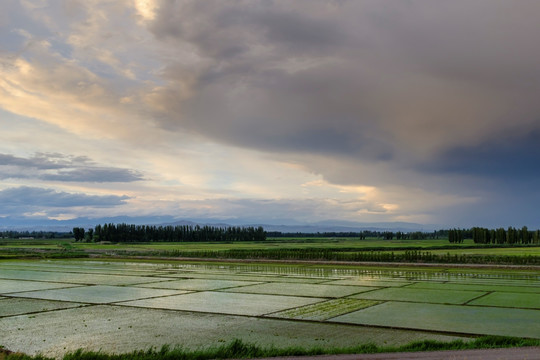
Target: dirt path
[522,353]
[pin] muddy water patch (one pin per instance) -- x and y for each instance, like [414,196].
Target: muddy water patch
[98,294]
[87,267]
[256,278]
[75,278]
[225,303]
[369,282]
[14,286]
[15,306]
[198,284]
[315,290]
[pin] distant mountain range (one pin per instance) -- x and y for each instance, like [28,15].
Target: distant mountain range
[289,226]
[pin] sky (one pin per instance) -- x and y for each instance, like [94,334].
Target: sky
[272,110]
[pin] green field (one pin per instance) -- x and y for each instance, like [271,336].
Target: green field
[271,243]
[122,305]
[309,249]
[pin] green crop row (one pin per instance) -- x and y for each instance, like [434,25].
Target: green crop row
[409,256]
[309,254]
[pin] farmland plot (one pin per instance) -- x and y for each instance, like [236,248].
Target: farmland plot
[477,287]
[14,286]
[509,300]
[314,290]
[325,310]
[120,306]
[75,278]
[421,295]
[10,307]
[98,294]
[198,284]
[451,318]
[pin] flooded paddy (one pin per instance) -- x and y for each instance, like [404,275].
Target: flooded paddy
[56,306]
[463,319]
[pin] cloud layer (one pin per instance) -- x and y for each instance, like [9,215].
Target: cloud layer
[33,201]
[195,106]
[58,167]
[406,82]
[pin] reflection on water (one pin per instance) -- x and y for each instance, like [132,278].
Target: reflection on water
[530,278]
[313,271]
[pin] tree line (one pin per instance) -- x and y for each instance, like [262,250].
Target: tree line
[180,233]
[505,236]
[13,234]
[456,236]
[185,233]
[508,236]
[362,235]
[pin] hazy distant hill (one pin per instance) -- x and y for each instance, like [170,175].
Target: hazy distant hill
[290,226]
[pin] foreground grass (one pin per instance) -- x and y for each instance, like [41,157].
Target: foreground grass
[239,349]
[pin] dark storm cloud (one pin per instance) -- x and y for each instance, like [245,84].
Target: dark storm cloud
[514,159]
[418,84]
[288,25]
[58,167]
[24,198]
[505,209]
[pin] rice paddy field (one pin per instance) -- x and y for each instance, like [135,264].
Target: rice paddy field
[56,306]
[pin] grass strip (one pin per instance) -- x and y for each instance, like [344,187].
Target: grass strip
[240,350]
